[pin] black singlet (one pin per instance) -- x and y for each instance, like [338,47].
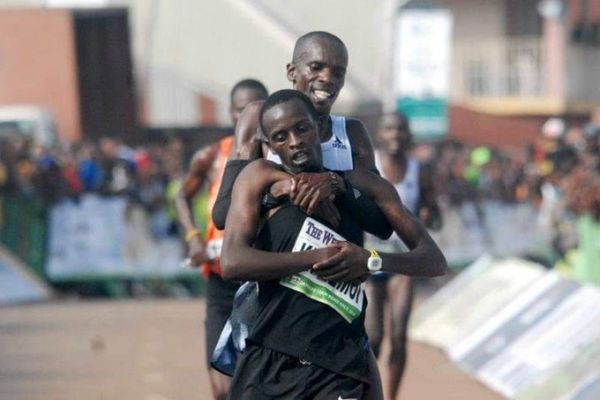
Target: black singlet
[291,323]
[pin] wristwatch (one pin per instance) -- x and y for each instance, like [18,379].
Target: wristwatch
[374,263]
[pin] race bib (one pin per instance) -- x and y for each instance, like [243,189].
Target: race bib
[345,298]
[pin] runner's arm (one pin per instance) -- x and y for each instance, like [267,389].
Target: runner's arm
[424,258]
[247,148]
[367,211]
[247,140]
[239,260]
[232,170]
[363,208]
[429,210]
[192,183]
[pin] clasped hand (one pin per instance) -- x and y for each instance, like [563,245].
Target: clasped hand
[347,264]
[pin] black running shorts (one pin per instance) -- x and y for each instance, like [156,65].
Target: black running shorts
[263,374]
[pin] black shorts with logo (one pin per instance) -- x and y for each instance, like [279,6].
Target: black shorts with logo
[219,302]
[263,374]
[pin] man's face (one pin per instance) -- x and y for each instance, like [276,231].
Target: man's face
[320,72]
[240,99]
[293,135]
[394,136]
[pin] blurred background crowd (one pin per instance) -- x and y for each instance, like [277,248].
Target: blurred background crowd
[103,104]
[501,97]
[558,174]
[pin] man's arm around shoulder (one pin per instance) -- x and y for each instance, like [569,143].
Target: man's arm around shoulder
[239,260]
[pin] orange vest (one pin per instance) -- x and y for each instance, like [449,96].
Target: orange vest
[214,236]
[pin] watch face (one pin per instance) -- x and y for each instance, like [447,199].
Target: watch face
[374,264]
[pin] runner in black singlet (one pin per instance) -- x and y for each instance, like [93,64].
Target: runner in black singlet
[308,340]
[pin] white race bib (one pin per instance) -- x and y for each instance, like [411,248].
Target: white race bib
[345,298]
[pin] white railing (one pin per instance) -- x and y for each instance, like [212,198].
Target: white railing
[498,68]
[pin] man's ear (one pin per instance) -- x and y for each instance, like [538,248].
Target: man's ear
[291,72]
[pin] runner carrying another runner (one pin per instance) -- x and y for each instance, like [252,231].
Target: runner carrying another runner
[308,341]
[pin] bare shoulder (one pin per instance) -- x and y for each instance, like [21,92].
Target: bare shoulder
[203,159]
[247,123]
[356,129]
[371,184]
[362,148]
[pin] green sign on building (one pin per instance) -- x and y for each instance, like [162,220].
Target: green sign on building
[428,117]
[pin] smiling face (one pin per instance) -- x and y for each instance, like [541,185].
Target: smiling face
[319,71]
[293,135]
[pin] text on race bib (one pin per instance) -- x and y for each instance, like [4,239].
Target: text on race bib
[345,298]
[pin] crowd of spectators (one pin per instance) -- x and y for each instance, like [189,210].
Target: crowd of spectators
[148,176]
[467,173]
[559,174]
[107,168]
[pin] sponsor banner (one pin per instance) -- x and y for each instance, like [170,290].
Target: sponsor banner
[467,305]
[345,298]
[558,336]
[528,309]
[576,379]
[446,293]
[108,237]
[17,284]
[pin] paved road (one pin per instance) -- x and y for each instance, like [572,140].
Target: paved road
[149,350]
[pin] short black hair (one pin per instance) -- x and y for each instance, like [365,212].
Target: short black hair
[315,35]
[250,84]
[283,96]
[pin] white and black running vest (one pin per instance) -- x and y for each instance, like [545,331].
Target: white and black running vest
[408,189]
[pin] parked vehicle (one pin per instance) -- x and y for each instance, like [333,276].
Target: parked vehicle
[28,121]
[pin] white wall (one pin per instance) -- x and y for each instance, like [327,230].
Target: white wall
[476,20]
[207,46]
[583,73]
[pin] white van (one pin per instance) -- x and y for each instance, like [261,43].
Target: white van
[28,121]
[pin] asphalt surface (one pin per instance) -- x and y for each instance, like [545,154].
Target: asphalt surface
[150,350]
